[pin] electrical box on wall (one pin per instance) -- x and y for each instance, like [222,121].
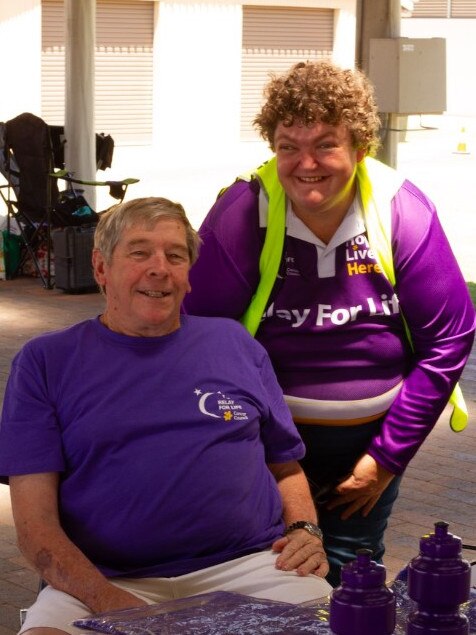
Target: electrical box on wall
[409,74]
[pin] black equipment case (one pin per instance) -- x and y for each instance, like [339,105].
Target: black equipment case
[72,248]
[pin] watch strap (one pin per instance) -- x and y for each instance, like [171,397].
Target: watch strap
[308,526]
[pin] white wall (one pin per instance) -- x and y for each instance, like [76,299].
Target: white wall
[345,35]
[432,156]
[460,54]
[20,52]
[197,88]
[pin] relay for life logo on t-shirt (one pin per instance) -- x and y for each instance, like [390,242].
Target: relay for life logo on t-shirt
[217,405]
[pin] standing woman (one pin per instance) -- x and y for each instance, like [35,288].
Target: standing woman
[341,269]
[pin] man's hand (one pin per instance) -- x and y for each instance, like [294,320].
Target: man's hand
[298,551]
[362,489]
[301,552]
[113,598]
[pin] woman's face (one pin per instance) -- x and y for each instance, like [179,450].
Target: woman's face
[316,167]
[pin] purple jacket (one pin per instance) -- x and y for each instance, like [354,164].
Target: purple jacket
[333,328]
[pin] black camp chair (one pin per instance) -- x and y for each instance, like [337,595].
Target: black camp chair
[34,200]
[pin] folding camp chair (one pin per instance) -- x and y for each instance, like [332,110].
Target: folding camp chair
[11,243]
[34,200]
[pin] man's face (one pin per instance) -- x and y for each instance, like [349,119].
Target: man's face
[316,167]
[146,280]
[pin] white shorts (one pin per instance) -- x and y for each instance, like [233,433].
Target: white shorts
[254,575]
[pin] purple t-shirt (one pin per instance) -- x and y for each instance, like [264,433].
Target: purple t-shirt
[334,329]
[161,443]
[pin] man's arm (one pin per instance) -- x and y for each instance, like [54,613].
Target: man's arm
[298,550]
[47,548]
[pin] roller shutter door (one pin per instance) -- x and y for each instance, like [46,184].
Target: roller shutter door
[463,9]
[123,71]
[430,9]
[444,9]
[274,38]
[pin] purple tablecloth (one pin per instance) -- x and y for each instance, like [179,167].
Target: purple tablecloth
[233,614]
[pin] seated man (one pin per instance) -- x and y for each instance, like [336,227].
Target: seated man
[151,455]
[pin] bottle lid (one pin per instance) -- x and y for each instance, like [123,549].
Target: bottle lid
[440,543]
[363,572]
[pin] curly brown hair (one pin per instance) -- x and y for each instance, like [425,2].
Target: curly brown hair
[321,91]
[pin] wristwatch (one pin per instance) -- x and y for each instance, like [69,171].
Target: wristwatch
[313,529]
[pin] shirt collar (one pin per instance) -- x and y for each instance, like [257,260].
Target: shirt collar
[351,226]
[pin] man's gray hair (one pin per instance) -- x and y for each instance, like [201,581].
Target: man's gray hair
[148,210]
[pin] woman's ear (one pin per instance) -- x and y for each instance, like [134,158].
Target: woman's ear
[361,154]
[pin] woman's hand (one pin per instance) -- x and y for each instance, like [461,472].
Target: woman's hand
[362,489]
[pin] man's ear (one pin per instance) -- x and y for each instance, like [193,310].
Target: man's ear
[99,267]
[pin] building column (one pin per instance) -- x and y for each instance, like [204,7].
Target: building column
[80,149]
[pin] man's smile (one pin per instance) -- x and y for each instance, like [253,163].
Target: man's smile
[154,294]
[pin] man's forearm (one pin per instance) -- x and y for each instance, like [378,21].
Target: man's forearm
[52,554]
[65,568]
[295,492]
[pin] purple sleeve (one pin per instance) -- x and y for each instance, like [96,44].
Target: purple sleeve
[437,307]
[226,273]
[29,431]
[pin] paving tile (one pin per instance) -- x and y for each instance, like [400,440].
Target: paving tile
[7,566]
[25,578]
[15,595]
[393,566]
[413,531]
[7,549]
[9,619]
[4,630]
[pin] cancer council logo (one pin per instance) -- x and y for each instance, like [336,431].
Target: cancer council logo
[219,406]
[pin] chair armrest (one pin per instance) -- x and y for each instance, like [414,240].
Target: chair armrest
[66,176]
[117,189]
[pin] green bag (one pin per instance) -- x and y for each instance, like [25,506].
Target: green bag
[12,245]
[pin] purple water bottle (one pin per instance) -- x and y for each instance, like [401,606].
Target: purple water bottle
[362,604]
[438,581]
